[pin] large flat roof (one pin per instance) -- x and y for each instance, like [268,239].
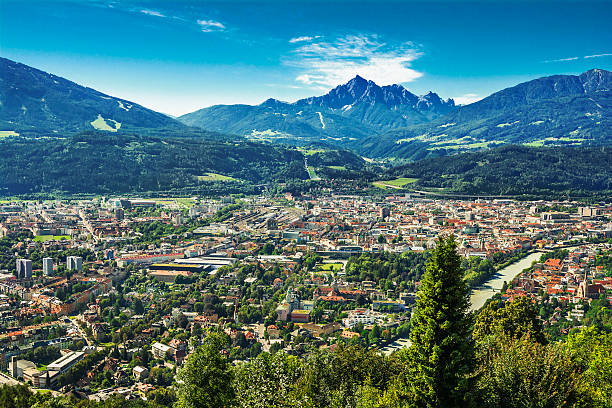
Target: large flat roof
[65,360]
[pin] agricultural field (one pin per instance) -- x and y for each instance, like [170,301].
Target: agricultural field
[397,183]
[215,177]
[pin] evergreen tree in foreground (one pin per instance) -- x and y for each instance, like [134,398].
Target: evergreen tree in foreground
[441,355]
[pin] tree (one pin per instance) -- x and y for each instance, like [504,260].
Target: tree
[206,379]
[519,372]
[182,321]
[18,396]
[138,307]
[590,349]
[269,381]
[511,319]
[333,378]
[441,355]
[196,330]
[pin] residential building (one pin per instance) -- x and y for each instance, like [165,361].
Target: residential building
[47,266]
[24,268]
[74,263]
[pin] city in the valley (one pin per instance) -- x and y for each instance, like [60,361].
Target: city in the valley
[111,295]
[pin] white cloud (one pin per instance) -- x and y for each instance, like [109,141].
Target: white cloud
[575,58]
[597,55]
[304,38]
[562,59]
[152,13]
[466,99]
[211,25]
[327,64]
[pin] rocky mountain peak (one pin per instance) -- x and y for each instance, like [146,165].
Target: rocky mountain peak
[595,80]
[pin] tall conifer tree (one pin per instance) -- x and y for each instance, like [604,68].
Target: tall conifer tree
[441,355]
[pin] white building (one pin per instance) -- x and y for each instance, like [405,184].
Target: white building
[24,268]
[74,263]
[159,350]
[66,362]
[47,266]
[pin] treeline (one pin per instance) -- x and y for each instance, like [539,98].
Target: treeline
[479,270]
[518,170]
[101,163]
[386,267]
[405,269]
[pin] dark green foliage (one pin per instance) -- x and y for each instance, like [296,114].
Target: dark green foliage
[331,379]
[326,157]
[18,396]
[599,314]
[97,163]
[271,380]
[590,350]
[517,170]
[522,373]
[478,270]
[206,377]
[511,319]
[555,254]
[42,355]
[441,354]
[80,369]
[386,265]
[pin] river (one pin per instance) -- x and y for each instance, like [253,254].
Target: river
[483,292]
[479,295]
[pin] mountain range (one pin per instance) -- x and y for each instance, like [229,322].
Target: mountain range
[35,102]
[349,112]
[374,121]
[559,110]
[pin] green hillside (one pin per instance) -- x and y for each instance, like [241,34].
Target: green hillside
[102,163]
[517,170]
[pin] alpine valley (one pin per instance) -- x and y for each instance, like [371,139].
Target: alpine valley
[390,121]
[46,119]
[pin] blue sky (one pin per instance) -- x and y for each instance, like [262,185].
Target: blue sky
[180,56]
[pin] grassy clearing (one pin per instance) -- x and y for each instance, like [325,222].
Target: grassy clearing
[45,238]
[310,152]
[328,267]
[215,177]
[476,145]
[101,124]
[343,168]
[397,183]
[312,173]
[552,140]
[7,133]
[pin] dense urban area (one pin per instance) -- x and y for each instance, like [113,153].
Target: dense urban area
[117,299]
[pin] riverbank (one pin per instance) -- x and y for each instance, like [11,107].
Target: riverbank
[482,293]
